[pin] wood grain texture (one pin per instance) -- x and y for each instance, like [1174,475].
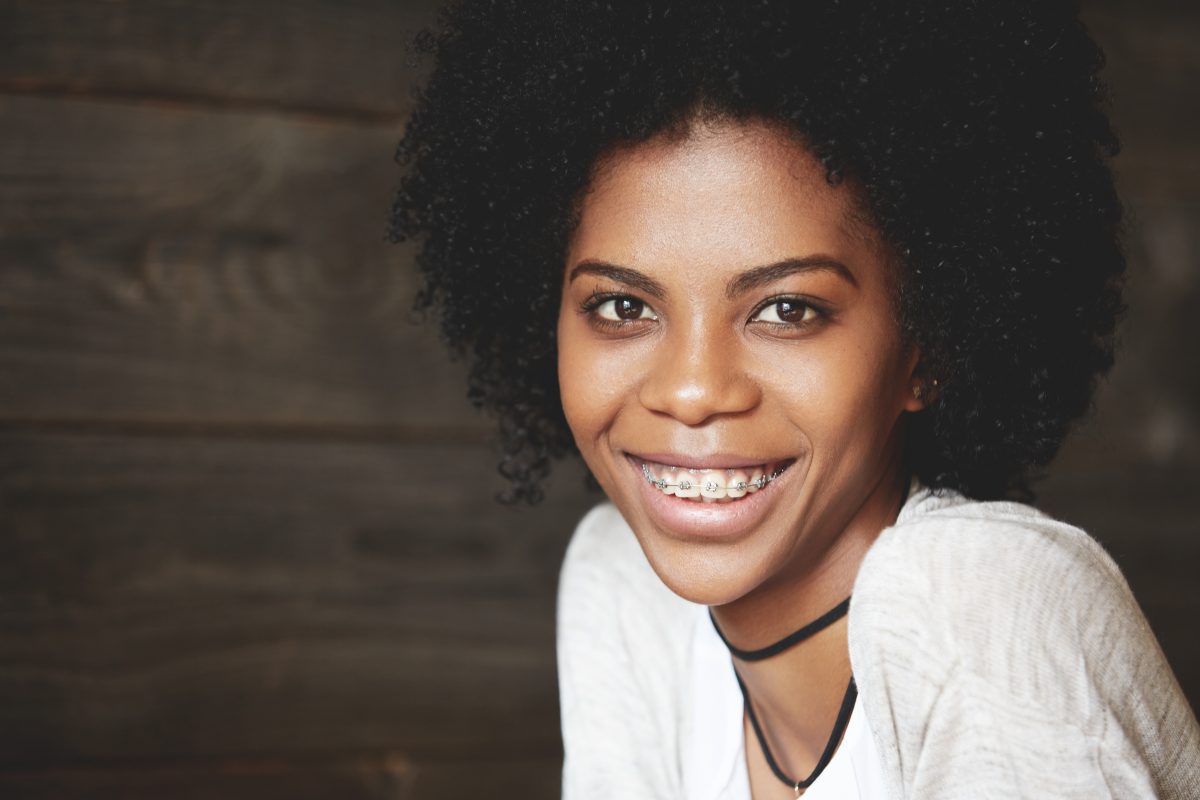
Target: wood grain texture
[247,547]
[1146,412]
[181,598]
[192,266]
[365,777]
[513,779]
[169,598]
[360,778]
[1153,68]
[330,57]
[1152,72]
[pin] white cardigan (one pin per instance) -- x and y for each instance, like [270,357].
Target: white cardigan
[998,653]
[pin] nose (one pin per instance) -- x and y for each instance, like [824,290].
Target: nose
[696,377]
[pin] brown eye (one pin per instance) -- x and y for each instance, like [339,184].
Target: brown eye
[628,308]
[787,312]
[624,309]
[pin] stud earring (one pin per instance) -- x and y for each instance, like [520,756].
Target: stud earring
[920,390]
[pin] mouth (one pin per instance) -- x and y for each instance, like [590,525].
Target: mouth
[711,484]
[714,498]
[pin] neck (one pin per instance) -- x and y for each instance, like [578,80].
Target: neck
[797,693]
[820,575]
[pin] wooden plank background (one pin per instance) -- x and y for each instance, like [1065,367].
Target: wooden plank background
[247,543]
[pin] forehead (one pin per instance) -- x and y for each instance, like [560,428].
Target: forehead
[727,193]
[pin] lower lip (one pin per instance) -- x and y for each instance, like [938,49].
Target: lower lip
[694,519]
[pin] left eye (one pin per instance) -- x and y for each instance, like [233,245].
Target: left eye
[624,309]
[786,312]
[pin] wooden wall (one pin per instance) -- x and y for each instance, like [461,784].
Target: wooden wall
[247,541]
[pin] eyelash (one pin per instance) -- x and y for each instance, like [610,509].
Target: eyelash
[598,298]
[822,314]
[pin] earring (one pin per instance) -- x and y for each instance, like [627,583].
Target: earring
[920,390]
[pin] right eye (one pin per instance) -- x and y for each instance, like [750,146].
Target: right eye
[623,309]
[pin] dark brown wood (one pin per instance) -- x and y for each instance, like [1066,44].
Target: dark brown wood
[316,56]
[1153,64]
[182,597]
[513,779]
[360,778]
[247,545]
[197,267]
[171,598]
[167,265]
[350,58]
[365,777]
[1152,71]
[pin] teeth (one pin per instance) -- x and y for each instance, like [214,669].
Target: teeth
[738,480]
[708,485]
[667,482]
[713,486]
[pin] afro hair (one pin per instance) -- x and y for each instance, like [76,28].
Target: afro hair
[974,129]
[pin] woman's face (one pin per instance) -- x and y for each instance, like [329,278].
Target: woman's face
[726,318]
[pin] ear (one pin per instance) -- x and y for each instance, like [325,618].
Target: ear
[922,388]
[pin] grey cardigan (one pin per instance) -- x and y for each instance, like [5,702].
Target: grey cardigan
[998,653]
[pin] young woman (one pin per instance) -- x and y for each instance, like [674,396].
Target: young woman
[812,288]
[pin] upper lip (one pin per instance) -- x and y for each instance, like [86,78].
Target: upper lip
[714,461]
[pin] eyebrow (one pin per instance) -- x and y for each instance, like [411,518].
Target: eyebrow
[752,278]
[769,273]
[625,275]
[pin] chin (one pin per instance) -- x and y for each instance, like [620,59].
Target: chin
[705,573]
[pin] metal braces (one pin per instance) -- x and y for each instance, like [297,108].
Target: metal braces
[711,486]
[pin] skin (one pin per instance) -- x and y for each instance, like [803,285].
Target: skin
[666,358]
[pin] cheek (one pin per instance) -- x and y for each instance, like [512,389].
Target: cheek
[591,382]
[835,389]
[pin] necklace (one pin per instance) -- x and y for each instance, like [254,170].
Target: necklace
[791,640]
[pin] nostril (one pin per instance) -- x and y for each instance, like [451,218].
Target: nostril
[693,399]
[696,377]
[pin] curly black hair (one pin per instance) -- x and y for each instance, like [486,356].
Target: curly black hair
[975,130]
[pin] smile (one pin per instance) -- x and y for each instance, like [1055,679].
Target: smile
[711,485]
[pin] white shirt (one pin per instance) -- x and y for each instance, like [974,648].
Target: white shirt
[998,652]
[714,759]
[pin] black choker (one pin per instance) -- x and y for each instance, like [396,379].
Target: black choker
[811,629]
[843,717]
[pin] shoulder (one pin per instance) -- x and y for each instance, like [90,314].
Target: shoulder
[993,622]
[602,536]
[622,642]
[960,558]
[603,554]
[606,584]
[1004,598]
[995,585]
